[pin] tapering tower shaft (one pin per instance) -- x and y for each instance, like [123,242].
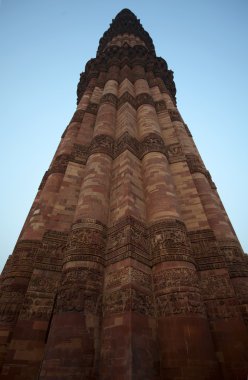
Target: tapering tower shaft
[127,266]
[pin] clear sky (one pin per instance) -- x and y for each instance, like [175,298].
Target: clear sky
[44,45]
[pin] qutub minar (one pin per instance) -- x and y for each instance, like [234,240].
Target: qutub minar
[127,266]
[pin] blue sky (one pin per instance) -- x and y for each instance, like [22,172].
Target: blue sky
[44,46]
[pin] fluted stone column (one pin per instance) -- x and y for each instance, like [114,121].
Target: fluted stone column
[78,306]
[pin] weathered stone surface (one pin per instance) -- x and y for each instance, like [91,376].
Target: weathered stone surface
[127,266]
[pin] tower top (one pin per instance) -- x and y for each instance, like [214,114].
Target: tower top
[125,22]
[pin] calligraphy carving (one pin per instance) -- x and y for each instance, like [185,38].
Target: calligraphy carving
[175,153]
[206,250]
[160,106]
[152,143]
[169,240]
[80,290]
[109,98]
[128,299]
[174,115]
[92,108]
[102,144]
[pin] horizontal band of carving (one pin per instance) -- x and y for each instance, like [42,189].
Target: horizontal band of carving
[79,154]
[128,275]
[175,115]
[175,153]
[89,223]
[196,166]
[124,142]
[23,257]
[86,241]
[162,257]
[169,238]
[110,99]
[128,299]
[49,267]
[144,98]
[231,250]
[160,106]
[128,251]
[56,237]
[128,239]
[152,143]
[91,257]
[216,286]
[127,97]
[237,270]
[50,255]
[222,308]
[59,165]
[14,279]
[206,250]
[175,279]
[102,144]
[37,305]
[106,144]
[92,108]
[183,302]
[127,56]
[80,290]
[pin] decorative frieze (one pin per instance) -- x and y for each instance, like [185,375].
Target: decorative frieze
[222,309]
[80,290]
[205,250]
[174,115]
[92,108]
[128,239]
[128,299]
[173,279]
[152,143]
[15,280]
[59,164]
[160,106]
[132,56]
[37,305]
[102,144]
[196,166]
[50,255]
[127,97]
[170,242]
[86,242]
[175,153]
[23,257]
[80,153]
[124,142]
[234,257]
[179,303]
[142,99]
[216,286]
[126,276]
[110,99]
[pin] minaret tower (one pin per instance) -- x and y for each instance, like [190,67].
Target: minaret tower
[127,267]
